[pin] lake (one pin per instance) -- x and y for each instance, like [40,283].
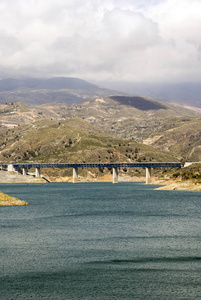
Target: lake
[100,241]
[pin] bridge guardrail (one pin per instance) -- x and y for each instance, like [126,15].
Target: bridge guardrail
[95,165]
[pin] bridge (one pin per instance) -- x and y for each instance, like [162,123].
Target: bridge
[17,167]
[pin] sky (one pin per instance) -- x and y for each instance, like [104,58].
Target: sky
[102,40]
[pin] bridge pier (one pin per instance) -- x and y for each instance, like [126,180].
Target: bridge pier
[11,168]
[148,175]
[115,175]
[24,171]
[37,174]
[75,175]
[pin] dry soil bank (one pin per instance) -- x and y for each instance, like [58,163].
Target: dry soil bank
[180,185]
[6,200]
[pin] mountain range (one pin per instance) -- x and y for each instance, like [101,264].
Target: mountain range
[183,93]
[36,91]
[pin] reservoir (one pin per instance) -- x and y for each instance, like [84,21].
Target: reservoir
[99,241]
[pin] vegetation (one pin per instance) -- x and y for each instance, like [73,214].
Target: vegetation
[193,172]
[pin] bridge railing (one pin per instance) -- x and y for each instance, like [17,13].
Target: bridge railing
[95,165]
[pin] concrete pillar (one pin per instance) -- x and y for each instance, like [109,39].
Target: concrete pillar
[11,168]
[75,175]
[115,175]
[37,172]
[24,171]
[148,175]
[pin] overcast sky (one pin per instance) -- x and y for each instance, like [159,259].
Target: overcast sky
[130,40]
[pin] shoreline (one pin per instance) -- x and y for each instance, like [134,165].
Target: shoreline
[166,184]
[177,185]
[6,200]
[105,178]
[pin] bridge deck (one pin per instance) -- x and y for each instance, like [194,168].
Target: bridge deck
[95,165]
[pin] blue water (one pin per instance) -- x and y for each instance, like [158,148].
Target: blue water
[100,241]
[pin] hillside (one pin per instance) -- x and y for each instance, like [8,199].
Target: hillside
[73,140]
[136,120]
[183,140]
[163,126]
[188,178]
[140,103]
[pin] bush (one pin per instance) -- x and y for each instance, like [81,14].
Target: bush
[176,174]
[186,176]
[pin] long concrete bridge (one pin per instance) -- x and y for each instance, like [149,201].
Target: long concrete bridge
[24,167]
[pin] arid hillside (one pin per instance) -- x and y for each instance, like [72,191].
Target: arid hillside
[73,140]
[43,132]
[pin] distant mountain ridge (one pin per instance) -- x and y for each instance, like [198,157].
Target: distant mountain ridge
[36,91]
[10,84]
[184,93]
[71,90]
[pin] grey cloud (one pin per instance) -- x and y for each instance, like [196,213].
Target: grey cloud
[8,44]
[137,40]
[130,27]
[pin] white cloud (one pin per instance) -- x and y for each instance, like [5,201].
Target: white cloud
[148,40]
